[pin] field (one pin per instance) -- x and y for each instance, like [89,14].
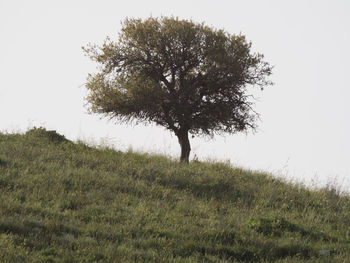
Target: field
[63,201]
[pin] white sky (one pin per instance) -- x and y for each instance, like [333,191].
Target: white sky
[305,124]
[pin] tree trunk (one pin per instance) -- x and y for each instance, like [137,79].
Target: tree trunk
[185,146]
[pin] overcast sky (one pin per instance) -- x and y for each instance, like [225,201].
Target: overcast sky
[304,128]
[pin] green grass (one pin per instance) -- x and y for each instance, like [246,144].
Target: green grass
[67,202]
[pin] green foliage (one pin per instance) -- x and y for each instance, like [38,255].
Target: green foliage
[184,76]
[67,202]
[43,134]
[178,74]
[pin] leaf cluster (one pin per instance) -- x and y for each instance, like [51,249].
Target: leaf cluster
[179,74]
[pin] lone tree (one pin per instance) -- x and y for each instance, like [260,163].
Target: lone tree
[184,76]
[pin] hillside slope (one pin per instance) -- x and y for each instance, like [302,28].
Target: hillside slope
[66,202]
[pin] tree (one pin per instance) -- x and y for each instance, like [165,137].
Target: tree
[184,76]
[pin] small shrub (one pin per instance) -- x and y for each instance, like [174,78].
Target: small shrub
[43,134]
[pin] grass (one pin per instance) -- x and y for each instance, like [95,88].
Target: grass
[67,202]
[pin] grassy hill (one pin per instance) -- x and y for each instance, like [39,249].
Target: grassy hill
[66,202]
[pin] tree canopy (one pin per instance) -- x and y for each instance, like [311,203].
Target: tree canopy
[182,75]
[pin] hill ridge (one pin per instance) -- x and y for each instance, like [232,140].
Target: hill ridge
[67,202]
